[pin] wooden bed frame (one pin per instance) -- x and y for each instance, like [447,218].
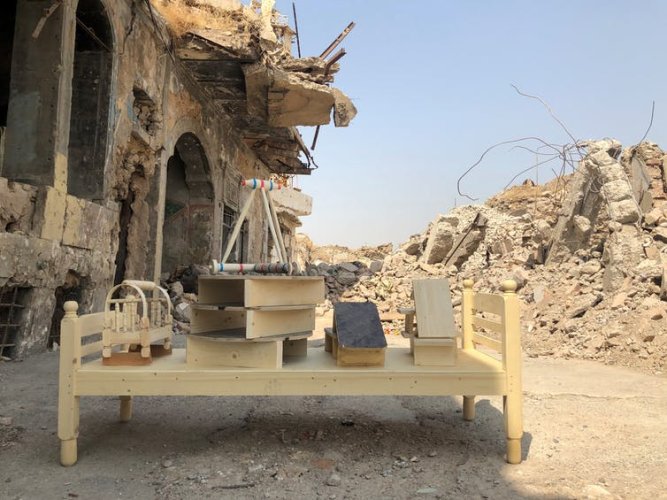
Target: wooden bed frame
[476,372]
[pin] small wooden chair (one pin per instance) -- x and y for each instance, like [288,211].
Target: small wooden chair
[135,322]
[433,338]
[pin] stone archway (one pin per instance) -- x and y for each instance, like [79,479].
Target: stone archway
[189,207]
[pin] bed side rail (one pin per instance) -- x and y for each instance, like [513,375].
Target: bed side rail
[494,313]
[75,332]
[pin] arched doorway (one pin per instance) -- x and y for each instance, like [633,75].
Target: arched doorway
[188,221]
[91,96]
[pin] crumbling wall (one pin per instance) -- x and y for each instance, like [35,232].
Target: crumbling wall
[46,233]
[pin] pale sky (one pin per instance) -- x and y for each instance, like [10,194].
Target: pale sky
[432,83]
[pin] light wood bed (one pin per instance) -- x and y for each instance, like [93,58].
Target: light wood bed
[476,372]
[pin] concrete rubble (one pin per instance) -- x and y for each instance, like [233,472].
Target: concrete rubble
[589,252]
[282,90]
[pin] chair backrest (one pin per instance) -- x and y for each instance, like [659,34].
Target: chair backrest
[433,307]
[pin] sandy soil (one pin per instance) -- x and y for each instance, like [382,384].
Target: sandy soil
[592,431]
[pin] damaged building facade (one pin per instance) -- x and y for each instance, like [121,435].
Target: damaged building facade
[124,140]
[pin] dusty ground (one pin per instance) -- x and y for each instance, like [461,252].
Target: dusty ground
[592,431]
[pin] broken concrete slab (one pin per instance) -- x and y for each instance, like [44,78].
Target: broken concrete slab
[465,246]
[440,242]
[344,110]
[625,211]
[292,101]
[285,99]
[293,202]
[257,83]
[622,253]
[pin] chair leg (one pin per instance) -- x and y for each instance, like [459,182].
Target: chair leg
[513,427]
[468,408]
[125,408]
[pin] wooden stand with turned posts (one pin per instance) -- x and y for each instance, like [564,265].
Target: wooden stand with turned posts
[135,322]
[476,372]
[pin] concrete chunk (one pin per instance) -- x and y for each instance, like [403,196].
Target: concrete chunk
[440,242]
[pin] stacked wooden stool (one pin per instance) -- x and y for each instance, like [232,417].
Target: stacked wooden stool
[248,321]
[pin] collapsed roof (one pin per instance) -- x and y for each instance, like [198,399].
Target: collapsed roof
[241,56]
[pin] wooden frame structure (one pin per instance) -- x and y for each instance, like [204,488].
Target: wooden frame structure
[265,187]
[476,372]
[134,319]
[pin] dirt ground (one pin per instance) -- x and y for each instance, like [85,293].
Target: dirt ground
[591,431]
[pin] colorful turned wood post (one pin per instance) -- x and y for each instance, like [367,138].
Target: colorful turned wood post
[68,402]
[512,358]
[466,324]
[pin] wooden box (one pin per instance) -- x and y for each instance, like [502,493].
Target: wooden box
[352,356]
[433,352]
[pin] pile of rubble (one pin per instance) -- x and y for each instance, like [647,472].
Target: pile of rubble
[589,253]
[182,288]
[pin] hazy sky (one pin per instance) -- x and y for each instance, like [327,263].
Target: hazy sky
[431,81]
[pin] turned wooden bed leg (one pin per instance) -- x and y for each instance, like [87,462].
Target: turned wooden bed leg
[512,402]
[68,402]
[125,408]
[513,428]
[68,452]
[468,408]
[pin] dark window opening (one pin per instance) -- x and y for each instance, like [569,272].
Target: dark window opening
[12,304]
[272,246]
[71,289]
[91,89]
[228,217]
[7,25]
[239,251]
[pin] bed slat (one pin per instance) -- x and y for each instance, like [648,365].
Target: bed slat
[91,324]
[494,344]
[488,324]
[486,302]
